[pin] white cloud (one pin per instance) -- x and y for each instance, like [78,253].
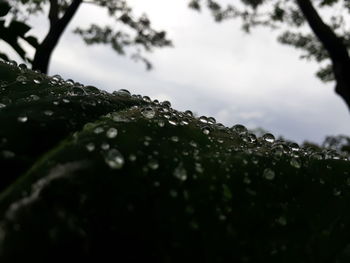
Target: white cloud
[214,69]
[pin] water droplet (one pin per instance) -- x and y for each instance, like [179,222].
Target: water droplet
[294,147]
[180,172]
[206,130]
[34,97]
[153,164]
[2,105]
[90,147]
[239,128]
[211,120]
[269,174]
[198,167]
[22,118]
[112,133]
[336,192]
[66,101]
[146,99]
[105,146]
[161,123]
[48,112]
[132,157]
[282,221]
[114,159]
[203,119]
[166,104]
[268,138]
[295,163]
[98,130]
[173,121]
[38,80]
[148,112]
[124,92]
[77,91]
[21,79]
[174,138]
[189,113]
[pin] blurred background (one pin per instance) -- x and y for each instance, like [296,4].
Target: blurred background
[214,69]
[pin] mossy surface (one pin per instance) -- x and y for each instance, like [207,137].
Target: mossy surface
[90,175]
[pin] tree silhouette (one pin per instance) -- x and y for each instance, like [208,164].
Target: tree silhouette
[127,31]
[13,32]
[328,41]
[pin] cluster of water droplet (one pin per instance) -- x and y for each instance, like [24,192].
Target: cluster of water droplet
[237,139]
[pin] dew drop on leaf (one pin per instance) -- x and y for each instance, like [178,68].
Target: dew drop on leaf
[112,133]
[90,147]
[114,159]
[295,163]
[22,118]
[268,138]
[98,130]
[148,112]
[269,174]
[153,164]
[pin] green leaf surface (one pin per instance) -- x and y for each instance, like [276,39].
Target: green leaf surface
[113,177]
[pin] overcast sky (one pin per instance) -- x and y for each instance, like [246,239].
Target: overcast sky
[213,69]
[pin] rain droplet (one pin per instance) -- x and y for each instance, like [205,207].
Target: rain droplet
[282,221]
[90,147]
[189,113]
[77,91]
[294,147]
[203,119]
[98,130]
[114,159]
[269,174]
[173,121]
[174,138]
[268,138]
[48,112]
[2,106]
[21,79]
[146,99]
[180,172]
[211,120]
[132,157]
[112,133]
[239,128]
[105,146]
[336,192]
[124,92]
[153,164]
[295,163]
[161,123]
[206,130]
[148,112]
[34,97]
[166,104]
[22,118]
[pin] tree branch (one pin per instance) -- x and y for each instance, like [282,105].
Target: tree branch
[53,13]
[334,45]
[45,49]
[324,33]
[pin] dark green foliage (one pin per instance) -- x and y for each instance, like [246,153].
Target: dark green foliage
[13,32]
[119,178]
[127,35]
